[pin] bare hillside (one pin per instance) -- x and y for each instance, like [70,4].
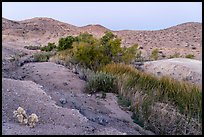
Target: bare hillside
[183,39]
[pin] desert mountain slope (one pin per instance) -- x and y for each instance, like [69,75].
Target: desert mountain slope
[97,30]
[184,39]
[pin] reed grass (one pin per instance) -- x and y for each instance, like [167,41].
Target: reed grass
[185,97]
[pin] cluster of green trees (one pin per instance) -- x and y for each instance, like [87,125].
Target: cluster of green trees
[94,53]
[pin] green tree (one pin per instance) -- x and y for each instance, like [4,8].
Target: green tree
[130,54]
[108,36]
[86,37]
[65,43]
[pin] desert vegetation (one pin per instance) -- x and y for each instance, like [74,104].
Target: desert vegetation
[149,95]
[94,53]
[191,56]
[155,54]
[49,47]
[31,47]
[163,105]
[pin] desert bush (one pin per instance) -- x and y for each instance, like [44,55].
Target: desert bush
[94,56]
[175,55]
[30,47]
[155,54]
[131,54]
[94,53]
[49,47]
[86,38]
[42,56]
[101,82]
[65,43]
[145,90]
[190,56]
[108,36]
[90,56]
[123,101]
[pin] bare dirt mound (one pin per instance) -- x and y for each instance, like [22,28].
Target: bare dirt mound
[53,119]
[179,68]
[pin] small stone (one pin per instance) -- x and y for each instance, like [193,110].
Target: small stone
[158,73]
[98,95]
[63,101]
[65,83]
[74,70]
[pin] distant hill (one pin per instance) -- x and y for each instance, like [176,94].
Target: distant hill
[184,38]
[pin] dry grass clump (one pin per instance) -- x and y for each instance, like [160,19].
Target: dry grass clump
[146,90]
[165,119]
[42,56]
[101,82]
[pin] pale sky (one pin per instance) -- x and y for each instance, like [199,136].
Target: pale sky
[113,15]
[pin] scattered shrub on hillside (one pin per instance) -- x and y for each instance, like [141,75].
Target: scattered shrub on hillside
[190,56]
[101,82]
[175,55]
[32,47]
[155,54]
[49,47]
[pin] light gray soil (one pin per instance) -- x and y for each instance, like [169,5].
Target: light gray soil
[179,68]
